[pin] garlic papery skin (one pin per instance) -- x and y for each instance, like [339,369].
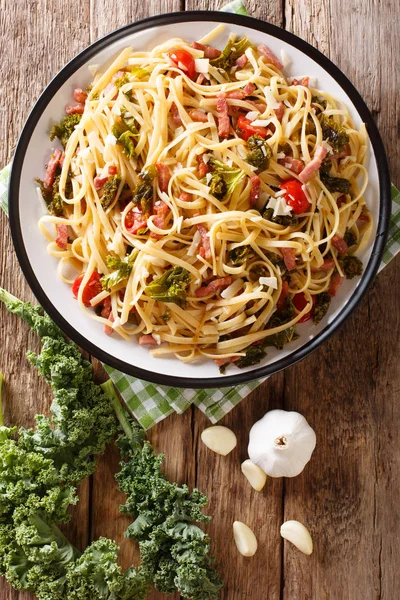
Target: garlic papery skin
[281,443]
[245,540]
[254,475]
[219,439]
[298,535]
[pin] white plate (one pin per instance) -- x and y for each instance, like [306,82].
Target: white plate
[34,148]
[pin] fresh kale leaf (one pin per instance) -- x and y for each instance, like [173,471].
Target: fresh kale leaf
[260,152]
[65,128]
[171,286]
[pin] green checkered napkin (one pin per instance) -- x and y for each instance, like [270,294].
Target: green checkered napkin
[151,403]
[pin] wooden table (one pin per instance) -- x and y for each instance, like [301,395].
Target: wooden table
[348,390]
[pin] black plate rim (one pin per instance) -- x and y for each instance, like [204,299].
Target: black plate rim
[239,377]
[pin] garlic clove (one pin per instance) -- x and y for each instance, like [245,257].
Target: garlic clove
[281,443]
[245,540]
[254,475]
[219,439]
[298,535]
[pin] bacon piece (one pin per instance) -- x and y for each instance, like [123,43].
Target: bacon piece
[160,210]
[106,308]
[196,114]
[279,111]
[209,51]
[327,265]
[280,305]
[112,170]
[225,361]
[314,164]
[304,81]
[258,105]
[336,282]
[147,340]
[223,117]
[248,90]
[203,167]
[185,197]
[341,200]
[163,176]
[289,258]
[272,59]
[80,96]
[293,164]
[363,218]
[62,236]
[255,189]
[205,241]
[108,330]
[175,114]
[135,221]
[74,110]
[214,286]
[54,162]
[241,61]
[100,181]
[340,245]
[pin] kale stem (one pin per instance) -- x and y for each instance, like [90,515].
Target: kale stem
[109,390]
[1,401]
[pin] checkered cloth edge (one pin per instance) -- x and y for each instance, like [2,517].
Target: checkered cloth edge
[151,403]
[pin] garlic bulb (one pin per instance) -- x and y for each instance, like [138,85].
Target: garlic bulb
[281,443]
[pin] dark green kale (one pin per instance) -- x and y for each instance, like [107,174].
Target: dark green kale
[321,307]
[121,270]
[334,133]
[110,190]
[64,129]
[352,266]
[218,187]
[239,255]
[224,178]
[171,286]
[125,131]
[51,195]
[230,53]
[350,238]
[166,316]
[144,192]
[333,184]
[260,152]
[284,220]
[254,355]
[281,338]
[321,102]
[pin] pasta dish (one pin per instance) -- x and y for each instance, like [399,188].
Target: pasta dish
[204,203]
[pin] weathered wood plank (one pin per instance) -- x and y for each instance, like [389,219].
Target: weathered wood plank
[37,39]
[231,498]
[267,11]
[348,493]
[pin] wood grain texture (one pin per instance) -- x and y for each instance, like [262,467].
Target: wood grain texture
[349,493]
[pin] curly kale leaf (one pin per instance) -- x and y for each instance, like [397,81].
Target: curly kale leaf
[260,152]
[239,255]
[230,53]
[321,307]
[110,190]
[51,195]
[350,238]
[144,192]
[65,128]
[121,270]
[223,178]
[284,220]
[171,286]
[352,266]
[334,133]
[280,339]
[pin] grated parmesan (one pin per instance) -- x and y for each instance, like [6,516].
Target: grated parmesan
[269,281]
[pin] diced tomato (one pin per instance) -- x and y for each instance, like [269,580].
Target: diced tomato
[300,302]
[91,289]
[280,305]
[245,129]
[295,196]
[134,221]
[184,61]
